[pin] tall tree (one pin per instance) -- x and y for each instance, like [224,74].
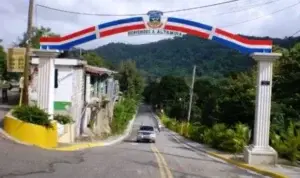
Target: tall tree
[94,60]
[131,81]
[37,33]
[3,71]
[286,82]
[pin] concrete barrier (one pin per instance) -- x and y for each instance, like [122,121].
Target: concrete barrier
[31,133]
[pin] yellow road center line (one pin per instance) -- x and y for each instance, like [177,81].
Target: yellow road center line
[161,168]
[165,165]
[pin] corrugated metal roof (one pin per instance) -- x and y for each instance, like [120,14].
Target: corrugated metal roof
[98,70]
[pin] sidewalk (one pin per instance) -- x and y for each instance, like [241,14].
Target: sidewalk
[13,99]
[278,170]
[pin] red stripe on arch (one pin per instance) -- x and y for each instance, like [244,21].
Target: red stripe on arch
[121,30]
[242,39]
[68,37]
[187,30]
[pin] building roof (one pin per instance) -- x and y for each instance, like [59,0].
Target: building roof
[98,70]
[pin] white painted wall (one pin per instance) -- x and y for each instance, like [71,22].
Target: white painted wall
[65,89]
[70,88]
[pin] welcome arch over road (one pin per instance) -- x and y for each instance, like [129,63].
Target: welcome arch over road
[156,21]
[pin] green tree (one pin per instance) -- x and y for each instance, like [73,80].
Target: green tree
[172,90]
[93,59]
[131,81]
[3,71]
[37,33]
[237,102]
[286,82]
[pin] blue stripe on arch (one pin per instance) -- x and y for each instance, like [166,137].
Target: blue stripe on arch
[121,21]
[190,23]
[242,49]
[71,44]
[58,47]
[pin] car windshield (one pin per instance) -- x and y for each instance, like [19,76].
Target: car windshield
[146,128]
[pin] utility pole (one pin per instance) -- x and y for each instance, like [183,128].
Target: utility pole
[191,96]
[27,58]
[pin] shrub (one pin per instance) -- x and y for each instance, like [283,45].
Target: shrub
[123,113]
[219,136]
[227,139]
[32,114]
[63,119]
[287,142]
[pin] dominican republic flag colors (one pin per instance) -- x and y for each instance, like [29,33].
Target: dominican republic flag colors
[69,41]
[120,26]
[240,43]
[92,33]
[234,41]
[188,27]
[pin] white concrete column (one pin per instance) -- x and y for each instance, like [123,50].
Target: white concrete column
[87,99]
[260,152]
[45,88]
[88,88]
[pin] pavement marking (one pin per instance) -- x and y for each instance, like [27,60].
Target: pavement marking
[162,159]
[161,168]
[243,166]
[189,147]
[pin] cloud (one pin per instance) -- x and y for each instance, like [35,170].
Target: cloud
[13,15]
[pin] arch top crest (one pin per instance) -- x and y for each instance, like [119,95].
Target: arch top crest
[155,23]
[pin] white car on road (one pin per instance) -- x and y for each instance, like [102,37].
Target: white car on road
[146,133]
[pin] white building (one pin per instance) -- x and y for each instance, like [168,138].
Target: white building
[75,84]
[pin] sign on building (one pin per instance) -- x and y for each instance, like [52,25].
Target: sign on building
[16,59]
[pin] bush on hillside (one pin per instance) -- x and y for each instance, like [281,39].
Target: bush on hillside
[123,113]
[33,115]
[287,141]
[219,136]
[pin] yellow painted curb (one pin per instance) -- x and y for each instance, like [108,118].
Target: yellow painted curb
[247,166]
[76,147]
[30,133]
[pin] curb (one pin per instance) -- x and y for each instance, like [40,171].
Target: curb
[80,146]
[249,167]
[127,133]
[236,163]
[8,137]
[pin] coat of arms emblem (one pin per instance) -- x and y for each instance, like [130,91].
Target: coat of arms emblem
[155,19]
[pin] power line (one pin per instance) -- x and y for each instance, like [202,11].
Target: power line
[298,31]
[170,11]
[200,7]
[280,10]
[248,8]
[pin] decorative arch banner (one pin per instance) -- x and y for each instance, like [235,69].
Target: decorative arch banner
[155,23]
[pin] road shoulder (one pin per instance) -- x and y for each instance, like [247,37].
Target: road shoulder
[264,170]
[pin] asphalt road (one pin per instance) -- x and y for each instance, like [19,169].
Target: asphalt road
[13,98]
[164,159]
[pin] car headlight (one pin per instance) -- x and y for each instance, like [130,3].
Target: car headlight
[152,135]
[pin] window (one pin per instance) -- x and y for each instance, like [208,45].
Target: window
[147,128]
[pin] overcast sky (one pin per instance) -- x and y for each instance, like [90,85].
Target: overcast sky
[13,15]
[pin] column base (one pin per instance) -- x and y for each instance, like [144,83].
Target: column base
[257,155]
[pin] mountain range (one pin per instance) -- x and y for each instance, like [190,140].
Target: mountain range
[177,56]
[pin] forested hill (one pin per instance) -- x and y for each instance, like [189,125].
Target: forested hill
[177,56]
